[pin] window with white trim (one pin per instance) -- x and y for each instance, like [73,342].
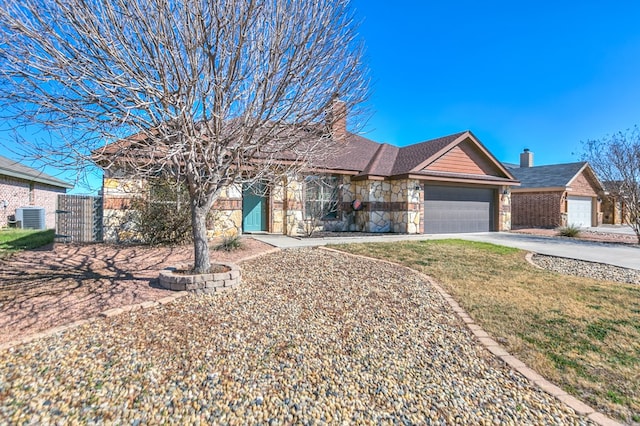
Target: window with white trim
[321,197]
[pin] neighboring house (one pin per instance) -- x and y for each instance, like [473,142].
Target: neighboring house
[555,195]
[449,184]
[614,210]
[22,186]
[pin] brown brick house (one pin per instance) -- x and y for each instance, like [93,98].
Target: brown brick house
[22,186]
[555,195]
[448,184]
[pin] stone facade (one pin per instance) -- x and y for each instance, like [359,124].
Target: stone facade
[225,218]
[119,193]
[504,210]
[387,206]
[21,193]
[614,212]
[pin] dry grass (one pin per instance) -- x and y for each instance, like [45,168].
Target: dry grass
[580,333]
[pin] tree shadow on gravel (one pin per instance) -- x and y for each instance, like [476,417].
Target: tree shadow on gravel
[42,289]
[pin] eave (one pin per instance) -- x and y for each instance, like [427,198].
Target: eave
[476,180]
[39,179]
[542,189]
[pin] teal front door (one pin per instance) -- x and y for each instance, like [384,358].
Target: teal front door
[254,210]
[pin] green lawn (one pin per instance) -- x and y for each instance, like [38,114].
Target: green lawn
[580,333]
[12,240]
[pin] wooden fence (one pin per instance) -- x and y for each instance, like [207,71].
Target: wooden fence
[79,218]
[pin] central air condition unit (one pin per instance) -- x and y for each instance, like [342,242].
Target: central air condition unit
[30,217]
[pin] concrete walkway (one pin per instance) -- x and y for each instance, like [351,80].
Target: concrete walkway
[613,254]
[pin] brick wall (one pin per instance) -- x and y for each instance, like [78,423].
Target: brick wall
[21,193]
[16,193]
[536,209]
[47,197]
[583,186]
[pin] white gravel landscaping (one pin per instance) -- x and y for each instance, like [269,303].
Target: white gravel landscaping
[310,337]
[598,271]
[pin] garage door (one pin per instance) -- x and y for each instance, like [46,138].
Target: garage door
[579,211]
[450,209]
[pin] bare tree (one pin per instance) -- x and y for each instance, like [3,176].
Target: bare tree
[616,161]
[209,92]
[320,197]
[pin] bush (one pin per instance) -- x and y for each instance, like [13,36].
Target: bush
[164,217]
[230,243]
[569,231]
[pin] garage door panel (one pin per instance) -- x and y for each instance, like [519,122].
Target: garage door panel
[458,209]
[579,211]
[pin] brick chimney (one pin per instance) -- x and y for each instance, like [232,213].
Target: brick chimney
[526,158]
[337,119]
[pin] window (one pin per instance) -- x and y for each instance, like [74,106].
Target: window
[321,197]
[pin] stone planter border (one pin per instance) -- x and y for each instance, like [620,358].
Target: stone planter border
[201,283]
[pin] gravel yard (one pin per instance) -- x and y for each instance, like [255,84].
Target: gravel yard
[40,289]
[598,271]
[309,337]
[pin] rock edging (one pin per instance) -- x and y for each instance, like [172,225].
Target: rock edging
[497,350]
[109,313]
[201,283]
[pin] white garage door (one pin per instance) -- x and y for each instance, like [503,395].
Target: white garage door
[579,211]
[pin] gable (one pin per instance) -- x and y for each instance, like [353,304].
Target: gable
[584,184]
[465,158]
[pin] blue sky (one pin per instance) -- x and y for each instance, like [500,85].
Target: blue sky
[542,75]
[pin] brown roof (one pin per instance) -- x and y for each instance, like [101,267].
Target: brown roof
[354,155]
[368,157]
[383,161]
[412,156]
[363,157]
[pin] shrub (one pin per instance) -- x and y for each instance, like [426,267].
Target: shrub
[569,231]
[230,243]
[164,217]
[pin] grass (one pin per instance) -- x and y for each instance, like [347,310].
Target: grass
[580,333]
[13,240]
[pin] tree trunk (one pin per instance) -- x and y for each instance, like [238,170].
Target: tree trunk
[202,262]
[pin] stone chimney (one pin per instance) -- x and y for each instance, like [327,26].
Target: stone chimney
[337,119]
[526,158]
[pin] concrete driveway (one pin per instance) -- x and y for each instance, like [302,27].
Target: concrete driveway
[613,254]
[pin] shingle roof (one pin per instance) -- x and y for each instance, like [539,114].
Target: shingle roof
[411,156]
[14,169]
[363,157]
[553,176]
[354,154]
[383,161]
[372,158]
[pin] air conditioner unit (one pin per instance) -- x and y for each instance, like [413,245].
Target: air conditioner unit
[30,217]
